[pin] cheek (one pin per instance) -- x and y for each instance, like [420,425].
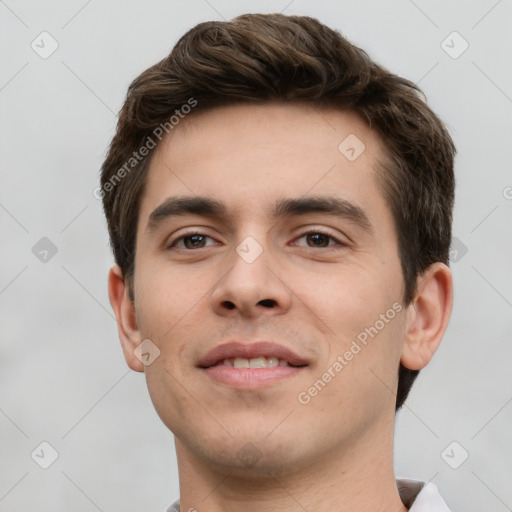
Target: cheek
[347,298]
[362,317]
[361,373]
[170,309]
[165,298]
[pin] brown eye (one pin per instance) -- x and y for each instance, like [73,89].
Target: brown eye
[318,239]
[191,241]
[194,241]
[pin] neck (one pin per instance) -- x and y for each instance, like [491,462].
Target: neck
[356,476]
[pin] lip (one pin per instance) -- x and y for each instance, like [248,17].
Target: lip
[250,378]
[234,349]
[247,378]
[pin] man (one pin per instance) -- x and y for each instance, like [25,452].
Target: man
[280,211]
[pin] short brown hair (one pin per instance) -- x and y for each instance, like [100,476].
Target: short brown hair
[260,58]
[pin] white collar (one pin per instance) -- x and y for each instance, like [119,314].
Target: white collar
[420,496]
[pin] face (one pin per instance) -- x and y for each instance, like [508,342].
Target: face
[292,243]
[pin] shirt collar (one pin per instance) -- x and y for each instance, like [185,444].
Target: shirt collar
[420,496]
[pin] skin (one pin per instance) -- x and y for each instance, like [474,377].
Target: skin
[335,452]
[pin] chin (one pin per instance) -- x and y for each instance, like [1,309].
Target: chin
[255,457]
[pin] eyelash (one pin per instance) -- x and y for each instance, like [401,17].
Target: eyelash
[309,232]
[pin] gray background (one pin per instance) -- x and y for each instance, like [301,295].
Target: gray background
[63,378]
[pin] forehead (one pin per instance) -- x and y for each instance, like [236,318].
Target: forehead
[248,156]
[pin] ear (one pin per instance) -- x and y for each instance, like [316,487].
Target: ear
[428,316]
[124,310]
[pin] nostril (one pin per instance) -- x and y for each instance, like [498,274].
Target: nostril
[228,304]
[268,303]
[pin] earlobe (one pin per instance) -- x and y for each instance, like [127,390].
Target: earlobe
[428,316]
[128,330]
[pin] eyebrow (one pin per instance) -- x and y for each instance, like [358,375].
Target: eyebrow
[286,207]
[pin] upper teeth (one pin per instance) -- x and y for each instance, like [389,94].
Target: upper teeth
[255,362]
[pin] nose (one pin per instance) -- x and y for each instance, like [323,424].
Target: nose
[251,287]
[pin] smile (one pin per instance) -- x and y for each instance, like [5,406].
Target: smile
[255,362]
[250,365]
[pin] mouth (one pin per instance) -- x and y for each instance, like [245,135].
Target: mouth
[251,365]
[254,362]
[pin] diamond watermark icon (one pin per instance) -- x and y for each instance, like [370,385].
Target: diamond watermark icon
[351,147]
[44,250]
[44,455]
[457,250]
[454,455]
[44,45]
[454,45]
[249,249]
[249,454]
[146,352]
